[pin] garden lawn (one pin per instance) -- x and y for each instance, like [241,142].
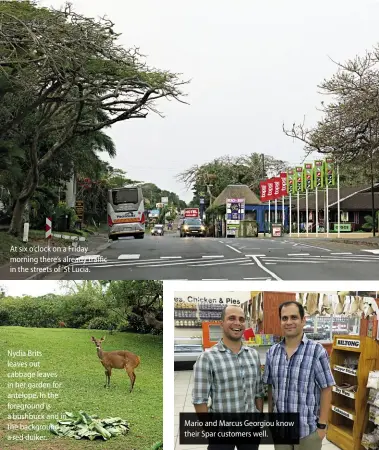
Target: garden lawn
[71,354]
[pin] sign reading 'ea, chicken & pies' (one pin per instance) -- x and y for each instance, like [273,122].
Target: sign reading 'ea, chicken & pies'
[351,343]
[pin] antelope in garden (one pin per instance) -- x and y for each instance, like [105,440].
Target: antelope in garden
[118,359]
[62,325]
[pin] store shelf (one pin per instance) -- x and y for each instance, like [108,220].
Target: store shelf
[343,392]
[346,370]
[349,410]
[344,411]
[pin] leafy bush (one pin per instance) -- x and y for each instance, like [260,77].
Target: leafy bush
[100,323]
[138,324]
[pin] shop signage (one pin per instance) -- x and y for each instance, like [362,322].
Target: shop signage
[226,298]
[343,392]
[235,208]
[342,412]
[343,227]
[351,343]
[345,370]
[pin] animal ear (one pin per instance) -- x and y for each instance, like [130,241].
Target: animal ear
[102,339]
[93,339]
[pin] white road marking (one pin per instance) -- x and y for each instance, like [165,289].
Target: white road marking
[129,257]
[313,246]
[346,253]
[214,279]
[258,278]
[214,256]
[216,263]
[247,264]
[298,254]
[376,251]
[297,261]
[233,248]
[265,268]
[171,257]
[252,256]
[270,264]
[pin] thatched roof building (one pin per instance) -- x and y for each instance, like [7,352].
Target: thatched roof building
[237,191]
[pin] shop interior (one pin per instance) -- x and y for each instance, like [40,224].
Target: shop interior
[345,323]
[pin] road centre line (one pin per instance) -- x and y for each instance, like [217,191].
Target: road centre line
[214,256]
[298,254]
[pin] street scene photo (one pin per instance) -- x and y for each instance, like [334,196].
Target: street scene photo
[311,357]
[123,158]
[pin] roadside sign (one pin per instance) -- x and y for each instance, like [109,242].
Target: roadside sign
[191,212]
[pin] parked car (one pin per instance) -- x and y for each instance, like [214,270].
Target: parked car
[158,230]
[192,227]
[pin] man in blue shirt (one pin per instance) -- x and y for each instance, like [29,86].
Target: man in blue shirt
[300,380]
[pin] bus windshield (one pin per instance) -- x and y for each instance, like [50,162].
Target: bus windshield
[125,196]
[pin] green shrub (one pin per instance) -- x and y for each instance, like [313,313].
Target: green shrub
[100,323]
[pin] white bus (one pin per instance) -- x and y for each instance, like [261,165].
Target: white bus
[126,212]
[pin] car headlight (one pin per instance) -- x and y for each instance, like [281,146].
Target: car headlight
[202,228]
[185,227]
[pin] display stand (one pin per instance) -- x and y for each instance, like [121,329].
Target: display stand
[348,413]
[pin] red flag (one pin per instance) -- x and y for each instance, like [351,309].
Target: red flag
[263,189]
[277,183]
[283,184]
[270,189]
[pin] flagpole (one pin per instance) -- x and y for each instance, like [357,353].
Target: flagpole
[338,200]
[316,211]
[327,210]
[290,214]
[306,209]
[298,214]
[269,216]
[276,210]
[283,215]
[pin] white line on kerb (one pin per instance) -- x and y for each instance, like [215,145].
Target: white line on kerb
[129,257]
[214,256]
[233,248]
[265,268]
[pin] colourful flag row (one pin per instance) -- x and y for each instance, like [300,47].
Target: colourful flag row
[300,179]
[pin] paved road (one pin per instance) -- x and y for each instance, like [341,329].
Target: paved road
[171,257]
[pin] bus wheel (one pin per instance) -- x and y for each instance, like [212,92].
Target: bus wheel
[139,236]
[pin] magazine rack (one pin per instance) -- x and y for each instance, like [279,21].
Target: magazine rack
[349,410]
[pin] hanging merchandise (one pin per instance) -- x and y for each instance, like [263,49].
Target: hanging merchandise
[373,379]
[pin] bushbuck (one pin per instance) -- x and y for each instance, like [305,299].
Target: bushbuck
[118,359]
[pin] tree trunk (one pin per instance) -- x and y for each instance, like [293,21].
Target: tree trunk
[28,189]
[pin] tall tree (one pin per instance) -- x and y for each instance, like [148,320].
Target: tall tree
[57,68]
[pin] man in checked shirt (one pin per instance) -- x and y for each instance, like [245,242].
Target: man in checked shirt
[300,381]
[229,374]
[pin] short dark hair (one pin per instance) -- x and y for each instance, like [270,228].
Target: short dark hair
[292,302]
[223,312]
